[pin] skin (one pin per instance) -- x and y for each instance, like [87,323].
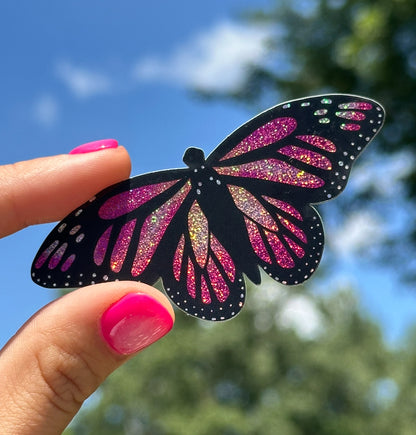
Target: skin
[58,358]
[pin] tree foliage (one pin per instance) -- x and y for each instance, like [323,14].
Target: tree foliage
[347,46]
[257,375]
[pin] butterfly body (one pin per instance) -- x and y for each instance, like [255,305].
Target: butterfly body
[247,205]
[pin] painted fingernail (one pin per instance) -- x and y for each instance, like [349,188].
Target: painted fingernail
[134,322]
[97,145]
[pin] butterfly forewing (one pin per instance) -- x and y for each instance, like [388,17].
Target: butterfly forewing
[116,234]
[304,148]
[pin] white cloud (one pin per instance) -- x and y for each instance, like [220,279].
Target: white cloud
[383,173]
[215,60]
[81,81]
[361,230]
[46,110]
[277,304]
[300,313]
[364,231]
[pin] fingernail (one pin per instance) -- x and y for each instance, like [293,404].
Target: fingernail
[97,145]
[134,322]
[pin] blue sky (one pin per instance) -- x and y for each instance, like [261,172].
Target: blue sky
[83,70]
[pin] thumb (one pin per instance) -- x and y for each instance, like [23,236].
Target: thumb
[67,349]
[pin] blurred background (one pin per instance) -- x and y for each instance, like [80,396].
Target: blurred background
[335,356]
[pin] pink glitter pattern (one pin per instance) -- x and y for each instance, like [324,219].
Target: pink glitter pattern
[306,156]
[198,233]
[154,228]
[177,258]
[101,246]
[298,250]
[265,135]
[223,257]
[360,105]
[251,207]
[57,256]
[257,241]
[283,257]
[125,202]
[273,170]
[289,209]
[122,245]
[351,114]
[218,283]
[68,263]
[318,141]
[350,127]
[293,229]
[45,254]
[190,279]
[205,296]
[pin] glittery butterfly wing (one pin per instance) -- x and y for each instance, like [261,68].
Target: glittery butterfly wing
[124,232]
[203,279]
[276,165]
[222,241]
[144,228]
[201,228]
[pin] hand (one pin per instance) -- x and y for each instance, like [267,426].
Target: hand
[66,350]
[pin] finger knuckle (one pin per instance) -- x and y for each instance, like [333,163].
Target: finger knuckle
[69,377]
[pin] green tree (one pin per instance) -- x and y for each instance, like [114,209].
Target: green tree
[258,374]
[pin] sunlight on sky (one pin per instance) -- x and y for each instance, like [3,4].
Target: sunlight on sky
[46,110]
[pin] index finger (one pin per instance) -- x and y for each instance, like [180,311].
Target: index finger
[48,188]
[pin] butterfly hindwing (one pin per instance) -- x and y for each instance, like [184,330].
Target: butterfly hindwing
[204,280]
[287,239]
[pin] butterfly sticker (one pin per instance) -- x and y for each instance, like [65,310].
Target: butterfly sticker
[201,229]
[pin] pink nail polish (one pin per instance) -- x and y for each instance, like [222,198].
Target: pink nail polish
[134,322]
[95,146]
